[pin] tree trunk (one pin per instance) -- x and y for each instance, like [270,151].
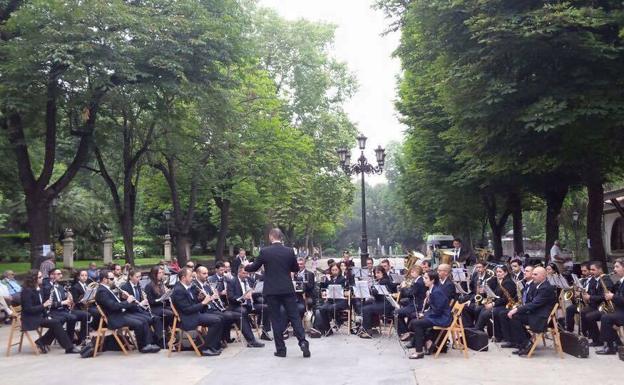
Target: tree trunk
[127,233]
[181,242]
[497,226]
[595,205]
[38,226]
[515,203]
[224,216]
[554,201]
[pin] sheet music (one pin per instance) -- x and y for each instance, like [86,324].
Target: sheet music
[259,287]
[335,292]
[88,295]
[165,296]
[381,289]
[397,278]
[361,290]
[173,279]
[459,274]
[393,302]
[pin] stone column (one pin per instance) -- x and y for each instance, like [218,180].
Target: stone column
[108,247]
[187,247]
[167,247]
[68,249]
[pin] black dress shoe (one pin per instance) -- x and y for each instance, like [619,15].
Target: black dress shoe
[154,348]
[279,354]
[608,350]
[255,344]
[508,345]
[230,340]
[210,352]
[409,345]
[42,348]
[305,348]
[265,336]
[417,356]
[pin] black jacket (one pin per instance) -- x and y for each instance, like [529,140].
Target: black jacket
[77,292]
[308,286]
[235,291]
[596,291]
[188,306]
[112,306]
[278,261]
[415,293]
[540,300]
[33,311]
[449,289]
[512,291]
[618,298]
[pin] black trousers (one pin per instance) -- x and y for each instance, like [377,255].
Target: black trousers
[420,329]
[407,312]
[163,320]
[500,319]
[70,319]
[519,335]
[214,323]
[140,328]
[607,321]
[326,313]
[55,330]
[369,310]
[484,317]
[289,303]
[240,317]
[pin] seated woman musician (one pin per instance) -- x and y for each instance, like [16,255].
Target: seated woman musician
[412,293]
[438,314]
[507,293]
[331,308]
[380,305]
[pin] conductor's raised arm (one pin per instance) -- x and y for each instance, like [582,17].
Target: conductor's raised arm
[256,264]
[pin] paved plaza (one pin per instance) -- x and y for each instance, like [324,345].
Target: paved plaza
[337,360]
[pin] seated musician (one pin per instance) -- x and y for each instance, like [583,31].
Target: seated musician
[380,306]
[35,315]
[507,293]
[240,298]
[215,306]
[590,315]
[446,282]
[243,286]
[588,285]
[438,314]
[219,280]
[539,303]
[190,307]
[346,258]
[331,308]
[516,270]
[304,279]
[118,316]
[62,303]
[479,278]
[140,307]
[608,335]
[345,271]
[161,310]
[78,291]
[412,294]
[426,265]
[501,317]
[370,266]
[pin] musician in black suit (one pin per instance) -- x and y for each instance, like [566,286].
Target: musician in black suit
[460,254]
[412,295]
[505,289]
[379,306]
[589,286]
[279,261]
[241,303]
[516,270]
[142,306]
[535,312]
[332,307]
[35,314]
[161,310]
[186,299]
[446,282]
[501,317]
[78,291]
[239,259]
[117,314]
[304,279]
[608,320]
[61,308]
[479,278]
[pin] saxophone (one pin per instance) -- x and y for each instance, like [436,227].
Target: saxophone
[511,304]
[607,305]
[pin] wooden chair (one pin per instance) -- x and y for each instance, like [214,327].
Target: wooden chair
[347,313]
[16,327]
[552,330]
[455,331]
[123,335]
[182,334]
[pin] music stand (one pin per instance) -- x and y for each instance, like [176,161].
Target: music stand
[397,278]
[459,275]
[173,279]
[361,291]
[89,295]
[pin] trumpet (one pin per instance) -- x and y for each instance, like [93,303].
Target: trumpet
[607,305]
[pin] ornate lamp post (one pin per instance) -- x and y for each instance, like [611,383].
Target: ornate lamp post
[167,216]
[362,167]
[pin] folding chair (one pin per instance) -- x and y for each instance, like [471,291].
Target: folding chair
[455,331]
[182,334]
[16,327]
[552,330]
[123,335]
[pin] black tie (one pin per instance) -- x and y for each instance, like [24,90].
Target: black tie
[137,294]
[190,293]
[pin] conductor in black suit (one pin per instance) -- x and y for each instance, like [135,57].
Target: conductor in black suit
[279,261]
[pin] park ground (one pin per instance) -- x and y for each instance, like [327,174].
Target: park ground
[336,360]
